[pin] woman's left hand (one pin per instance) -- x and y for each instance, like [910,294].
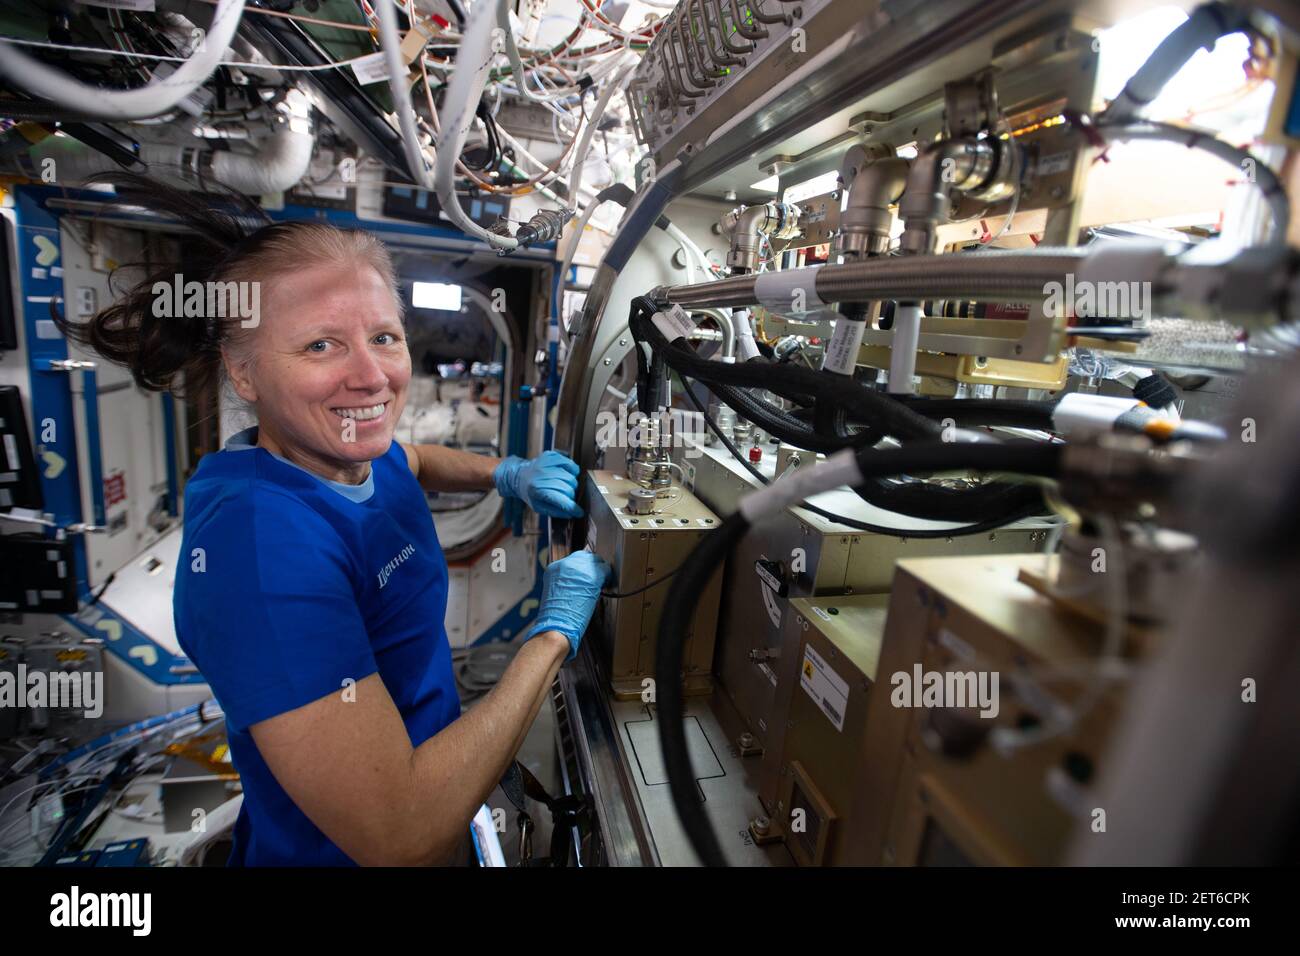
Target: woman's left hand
[548,483]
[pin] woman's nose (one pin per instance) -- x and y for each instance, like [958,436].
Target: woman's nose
[365,371]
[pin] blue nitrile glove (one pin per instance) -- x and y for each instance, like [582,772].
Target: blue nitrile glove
[547,483]
[570,588]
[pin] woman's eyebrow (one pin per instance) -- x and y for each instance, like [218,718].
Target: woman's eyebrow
[345,329]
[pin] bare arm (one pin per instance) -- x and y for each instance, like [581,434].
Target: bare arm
[449,469]
[350,766]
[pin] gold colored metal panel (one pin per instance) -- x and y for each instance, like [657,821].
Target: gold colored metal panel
[644,549]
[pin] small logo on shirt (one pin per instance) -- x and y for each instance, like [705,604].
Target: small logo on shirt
[391,566]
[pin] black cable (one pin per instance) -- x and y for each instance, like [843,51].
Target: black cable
[1009,413]
[655,583]
[790,382]
[699,567]
[990,505]
[978,527]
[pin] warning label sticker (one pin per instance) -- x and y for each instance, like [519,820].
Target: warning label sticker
[827,689]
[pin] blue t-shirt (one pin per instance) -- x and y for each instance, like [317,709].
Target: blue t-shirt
[305,584]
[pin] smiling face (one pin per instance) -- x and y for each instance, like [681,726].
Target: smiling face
[328,369]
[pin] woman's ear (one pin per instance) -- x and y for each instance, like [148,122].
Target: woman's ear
[240,379]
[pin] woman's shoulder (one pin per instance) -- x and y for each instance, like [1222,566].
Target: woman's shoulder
[235,485]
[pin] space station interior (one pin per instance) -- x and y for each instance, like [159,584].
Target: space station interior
[932,366]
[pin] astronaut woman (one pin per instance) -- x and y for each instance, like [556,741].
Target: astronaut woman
[312,588]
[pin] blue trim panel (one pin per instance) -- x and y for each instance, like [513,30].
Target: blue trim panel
[132,646]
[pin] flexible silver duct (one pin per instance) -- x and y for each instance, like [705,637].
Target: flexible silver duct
[987,276]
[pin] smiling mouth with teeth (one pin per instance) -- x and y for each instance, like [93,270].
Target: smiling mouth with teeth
[364,414]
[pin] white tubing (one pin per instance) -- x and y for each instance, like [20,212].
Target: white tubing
[838,470]
[1270,187]
[397,86]
[473,61]
[279,165]
[616,83]
[746,347]
[1199,31]
[156,98]
[281,162]
[902,354]
[512,51]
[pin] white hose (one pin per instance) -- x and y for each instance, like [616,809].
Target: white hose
[158,97]
[615,84]
[397,86]
[473,62]
[1200,31]
[280,163]
[517,64]
[1270,187]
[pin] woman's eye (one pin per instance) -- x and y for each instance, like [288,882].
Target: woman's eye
[314,346]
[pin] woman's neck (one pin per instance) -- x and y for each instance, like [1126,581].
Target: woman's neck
[344,472]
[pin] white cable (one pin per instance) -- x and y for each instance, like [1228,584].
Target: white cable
[839,469]
[690,248]
[1271,188]
[517,64]
[397,86]
[157,97]
[616,83]
[241,64]
[473,62]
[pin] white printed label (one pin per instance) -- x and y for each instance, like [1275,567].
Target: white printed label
[827,689]
[11,452]
[821,613]
[371,69]
[842,352]
[675,323]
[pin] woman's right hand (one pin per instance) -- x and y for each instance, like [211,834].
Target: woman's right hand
[570,588]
